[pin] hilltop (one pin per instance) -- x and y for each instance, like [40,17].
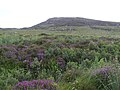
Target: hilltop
[73,21]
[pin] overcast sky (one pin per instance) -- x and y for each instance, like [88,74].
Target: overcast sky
[25,13]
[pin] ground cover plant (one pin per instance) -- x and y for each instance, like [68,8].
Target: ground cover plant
[81,59]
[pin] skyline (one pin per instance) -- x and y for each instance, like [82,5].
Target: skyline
[26,13]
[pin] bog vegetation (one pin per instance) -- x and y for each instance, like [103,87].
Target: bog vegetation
[80,59]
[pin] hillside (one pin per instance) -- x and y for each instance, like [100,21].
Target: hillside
[73,21]
[78,58]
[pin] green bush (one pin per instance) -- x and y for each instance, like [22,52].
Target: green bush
[73,71]
[84,83]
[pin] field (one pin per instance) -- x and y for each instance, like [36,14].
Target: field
[81,58]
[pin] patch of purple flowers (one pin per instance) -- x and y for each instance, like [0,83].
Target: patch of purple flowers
[61,62]
[25,54]
[36,84]
[10,54]
[105,71]
[41,54]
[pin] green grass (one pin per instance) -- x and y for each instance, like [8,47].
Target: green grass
[74,60]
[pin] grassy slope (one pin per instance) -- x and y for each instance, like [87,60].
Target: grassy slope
[85,31]
[81,72]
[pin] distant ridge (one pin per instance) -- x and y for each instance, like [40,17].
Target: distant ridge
[68,21]
[73,21]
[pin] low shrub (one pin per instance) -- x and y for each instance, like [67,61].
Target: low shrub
[36,85]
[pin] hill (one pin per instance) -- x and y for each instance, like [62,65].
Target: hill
[73,21]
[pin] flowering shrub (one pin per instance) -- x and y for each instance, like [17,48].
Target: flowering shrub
[61,62]
[36,84]
[22,53]
[102,77]
[105,71]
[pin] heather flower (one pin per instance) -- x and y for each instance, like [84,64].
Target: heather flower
[61,62]
[102,76]
[10,54]
[36,84]
[41,54]
[28,57]
[105,71]
[30,63]
[19,58]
